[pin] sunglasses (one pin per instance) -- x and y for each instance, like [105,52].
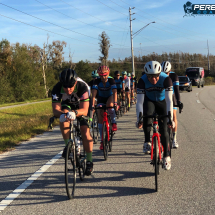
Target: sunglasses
[117,75]
[103,74]
[153,76]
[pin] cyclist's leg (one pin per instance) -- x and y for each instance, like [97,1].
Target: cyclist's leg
[148,109]
[160,108]
[175,143]
[112,113]
[128,98]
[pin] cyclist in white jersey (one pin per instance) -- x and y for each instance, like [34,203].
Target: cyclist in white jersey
[126,87]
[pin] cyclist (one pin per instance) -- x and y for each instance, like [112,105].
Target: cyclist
[126,88]
[133,87]
[94,76]
[119,84]
[70,99]
[106,88]
[154,94]
[166,67]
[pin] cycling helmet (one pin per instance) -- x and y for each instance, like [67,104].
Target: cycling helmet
[94,74]
[166,66]
[129,74]
[132,73]
[152,68]
[124,73]
[68,77]
[103,70]
[117,72]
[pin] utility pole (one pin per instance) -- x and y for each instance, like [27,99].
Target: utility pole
[132,52]
[208,59]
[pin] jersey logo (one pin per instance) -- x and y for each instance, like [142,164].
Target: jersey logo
[55,97]
[155,89]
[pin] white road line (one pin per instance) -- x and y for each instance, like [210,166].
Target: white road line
[4,203]
[198,101]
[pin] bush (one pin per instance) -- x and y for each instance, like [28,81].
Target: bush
[209,80]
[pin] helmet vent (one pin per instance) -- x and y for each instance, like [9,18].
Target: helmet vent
[150,66]
[146,69]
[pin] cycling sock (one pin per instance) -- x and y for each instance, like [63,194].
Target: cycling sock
[174,135]
[112,115]
[89,156]
[100,130]
[129,105]
[66,141]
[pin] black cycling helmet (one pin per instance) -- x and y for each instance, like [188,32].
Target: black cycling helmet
[117,72]
[68,77]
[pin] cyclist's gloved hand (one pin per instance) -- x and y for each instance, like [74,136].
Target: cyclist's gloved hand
[139,125]
[180,105]
[71,115]
[62,118]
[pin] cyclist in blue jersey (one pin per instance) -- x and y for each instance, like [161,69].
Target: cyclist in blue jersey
[119,84]
[154,94]
[106,89]
[133,86]
[166,67]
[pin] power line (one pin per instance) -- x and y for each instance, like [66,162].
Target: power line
[119,5]
[74,18]
[90,14]
[112,8]
[45,29]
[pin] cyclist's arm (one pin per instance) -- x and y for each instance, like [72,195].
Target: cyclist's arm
[114,95]
[114,89]
[175,82]
[140,98]
[129,83]
[56,107]
[83,108]
[168,95]
[94,93]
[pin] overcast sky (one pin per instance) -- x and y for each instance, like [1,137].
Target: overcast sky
[79,23]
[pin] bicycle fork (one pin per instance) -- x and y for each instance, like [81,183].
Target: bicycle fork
[105,119]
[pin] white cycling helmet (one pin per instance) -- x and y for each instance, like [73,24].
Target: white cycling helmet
[152,68]
[166,66]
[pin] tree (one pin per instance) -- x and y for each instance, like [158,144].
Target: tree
[104,48]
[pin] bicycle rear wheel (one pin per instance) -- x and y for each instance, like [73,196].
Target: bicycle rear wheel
[82,164]
[156,161]
[95,128]
[105,141]
[70,170]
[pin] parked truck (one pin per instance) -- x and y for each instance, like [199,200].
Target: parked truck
[196,75]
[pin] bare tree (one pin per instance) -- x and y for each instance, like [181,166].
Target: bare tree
[104,47]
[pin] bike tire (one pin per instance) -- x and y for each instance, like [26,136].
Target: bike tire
[95,128]
[156,161]
[70,170]
[105,141]
[110,134]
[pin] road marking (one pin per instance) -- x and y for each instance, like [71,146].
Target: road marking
[4,203]
[198,101]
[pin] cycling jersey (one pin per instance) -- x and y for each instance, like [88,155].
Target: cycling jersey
[127,83]
[104,91]
[119,82]
[132,81]
[80,94]
[163,89]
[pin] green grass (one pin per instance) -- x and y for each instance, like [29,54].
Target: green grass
[21,123]
[17,103]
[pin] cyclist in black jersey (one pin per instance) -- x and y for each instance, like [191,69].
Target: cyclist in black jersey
[119,84]
[70,99]
[154,94]
[166,67]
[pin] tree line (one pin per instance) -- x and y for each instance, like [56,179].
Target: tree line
[29,72]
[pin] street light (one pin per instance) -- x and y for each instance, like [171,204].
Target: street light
[135,34]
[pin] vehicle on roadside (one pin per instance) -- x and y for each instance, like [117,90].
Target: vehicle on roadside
[185,83]
[196,75]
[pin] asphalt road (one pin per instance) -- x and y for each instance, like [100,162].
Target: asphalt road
[124,184]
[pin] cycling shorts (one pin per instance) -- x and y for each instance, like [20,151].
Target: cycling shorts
[126,89]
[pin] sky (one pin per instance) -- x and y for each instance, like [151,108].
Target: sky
[80,22]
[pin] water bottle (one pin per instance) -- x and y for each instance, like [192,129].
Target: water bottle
[78,145]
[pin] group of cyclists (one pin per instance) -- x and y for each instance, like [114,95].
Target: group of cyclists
[157,91]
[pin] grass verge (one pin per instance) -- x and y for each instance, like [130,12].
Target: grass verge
[18,103]
[21,123]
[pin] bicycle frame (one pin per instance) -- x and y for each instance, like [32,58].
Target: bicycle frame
[105,119]
[156,134]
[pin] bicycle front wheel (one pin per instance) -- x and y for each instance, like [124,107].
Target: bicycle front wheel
[95,128]
[105,141]
[156,161]
[70,170]
[110,134]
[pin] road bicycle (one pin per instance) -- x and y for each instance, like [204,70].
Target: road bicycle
[156,146]
[107,133]
[95,127]
[75,160]
[120,106]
